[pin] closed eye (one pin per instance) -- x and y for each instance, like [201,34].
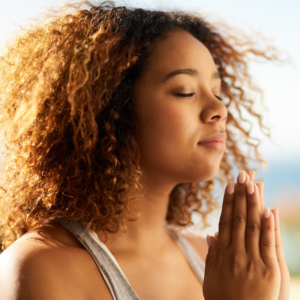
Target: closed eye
[192,94]
[185,95]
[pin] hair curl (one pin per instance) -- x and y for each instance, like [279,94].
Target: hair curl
[67,117]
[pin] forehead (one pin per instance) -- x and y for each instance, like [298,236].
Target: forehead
[179,50]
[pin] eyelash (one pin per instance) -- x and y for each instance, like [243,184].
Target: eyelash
[185,95]
[192,94]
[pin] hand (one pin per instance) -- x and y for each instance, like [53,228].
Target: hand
[284,272]
[239,265]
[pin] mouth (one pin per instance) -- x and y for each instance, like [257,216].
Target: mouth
[215,141]
[216,145]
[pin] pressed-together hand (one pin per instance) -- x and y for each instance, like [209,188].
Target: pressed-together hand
[242,264]
[284,272]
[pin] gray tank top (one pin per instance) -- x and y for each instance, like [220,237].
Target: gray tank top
[115,279]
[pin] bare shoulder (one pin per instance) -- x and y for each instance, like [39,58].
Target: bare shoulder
[198,242]
[47,263]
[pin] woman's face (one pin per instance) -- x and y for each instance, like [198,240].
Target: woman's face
[177,108]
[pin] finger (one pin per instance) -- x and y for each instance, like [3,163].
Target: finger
[247,177]
[225,223]
[278,241]
[267,241]
[210,257]
[253,224]
[216,235]
[285,275]
[239,214]
[260,186]
[252,175]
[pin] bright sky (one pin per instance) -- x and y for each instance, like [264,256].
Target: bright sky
[278,20]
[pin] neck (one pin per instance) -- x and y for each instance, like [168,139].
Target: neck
[148,234]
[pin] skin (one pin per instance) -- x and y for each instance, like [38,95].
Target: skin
[169,129]
[245,253]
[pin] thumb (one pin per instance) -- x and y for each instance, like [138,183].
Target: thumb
[212,243]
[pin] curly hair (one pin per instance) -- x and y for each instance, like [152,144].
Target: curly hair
[67,117]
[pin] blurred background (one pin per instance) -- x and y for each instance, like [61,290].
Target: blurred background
[278,21]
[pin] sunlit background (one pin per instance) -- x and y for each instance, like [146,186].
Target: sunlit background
[276,20]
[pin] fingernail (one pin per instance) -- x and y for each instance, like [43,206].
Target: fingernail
[230,187]
[242,176]
[253,172]
[267,212]
[262,184]
[250,187]
[208,240]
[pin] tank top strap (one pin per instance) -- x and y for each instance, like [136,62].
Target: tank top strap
[114,277]
[196,263]
[108,266]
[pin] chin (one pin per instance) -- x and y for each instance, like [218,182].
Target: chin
[201,174]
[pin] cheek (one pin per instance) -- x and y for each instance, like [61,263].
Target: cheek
[170,125]
[169,134]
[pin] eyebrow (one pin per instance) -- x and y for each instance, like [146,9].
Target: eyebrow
[191,72]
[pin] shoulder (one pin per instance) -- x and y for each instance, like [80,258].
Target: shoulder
[45,264]
[198,242]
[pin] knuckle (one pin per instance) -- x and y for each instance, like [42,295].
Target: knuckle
[266,273]
[267,243]
[219,259]
[228,201]
[253,226]
[279,245]
[225,223]
[251,267]
[269,227]
[280,260]
[269,274]
[208,258]
[253,203]
[237,264]
[239,220]
[240,193]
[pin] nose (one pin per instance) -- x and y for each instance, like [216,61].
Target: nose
[213,111]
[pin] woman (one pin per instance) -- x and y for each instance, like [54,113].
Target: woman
[114,128]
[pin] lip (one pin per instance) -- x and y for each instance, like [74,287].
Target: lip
[215,141]
[214,145]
